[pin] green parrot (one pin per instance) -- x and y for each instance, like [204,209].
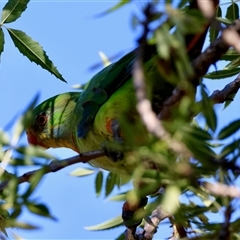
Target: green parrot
[105,111]
[84,120]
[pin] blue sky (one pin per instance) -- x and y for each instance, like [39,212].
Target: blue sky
[72,38]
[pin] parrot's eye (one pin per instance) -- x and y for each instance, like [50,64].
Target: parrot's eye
[41,119]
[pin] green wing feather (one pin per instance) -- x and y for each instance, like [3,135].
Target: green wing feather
[103,85]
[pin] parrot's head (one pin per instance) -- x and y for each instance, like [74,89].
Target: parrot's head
[53,122]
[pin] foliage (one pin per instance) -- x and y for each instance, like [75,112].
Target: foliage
[208,154]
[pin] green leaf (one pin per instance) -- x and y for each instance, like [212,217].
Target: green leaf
[110,183]
[1,41]
[224,20]
[13,10]
[99,182]
[109,224]
[228,102]
[230,148]
[233,64]
[208,110]
[215,26]
[222,73]
[230,55]
[39,209]
[33,51]
[119,197]
[229,130]
[34,181]
[233,12]
[81,172]
[170,199]
[197,132]
[34,151]
[120,4]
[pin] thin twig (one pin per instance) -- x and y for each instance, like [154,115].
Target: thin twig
[55,166]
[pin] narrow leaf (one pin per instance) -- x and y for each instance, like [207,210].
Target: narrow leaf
[1,41]
[208,110]
[224,20]
[120,4]
[222,73]
[33,51]
[230,55]
[13,10]
[229,130]
[233,12]
[99,182]
[233,64]
[110,183]
[109,224]
[81,172]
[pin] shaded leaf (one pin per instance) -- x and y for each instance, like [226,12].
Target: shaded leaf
[39,209]
[33,51]
[230,148]
[229,130]
[110,183]
[208,110]
[232,12]
[222,73]
[1,41]
[13,10]
[109,224]
[197,132]
[230,55]
[99,183]
[227,103]
[34,181]
[215,26]
[81,172]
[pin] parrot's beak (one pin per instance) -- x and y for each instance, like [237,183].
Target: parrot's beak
[32,139]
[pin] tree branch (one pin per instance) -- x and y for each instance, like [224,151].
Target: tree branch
[200,67]
[55,166]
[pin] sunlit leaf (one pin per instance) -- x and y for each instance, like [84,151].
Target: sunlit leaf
[81,172]
[222,73]
[232,12]
[109,224]
[229,130]
[234,63]
[13,10]
[170,199]
[34,151]
[33,51]
[99,182]
[118,197]
[224,20]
